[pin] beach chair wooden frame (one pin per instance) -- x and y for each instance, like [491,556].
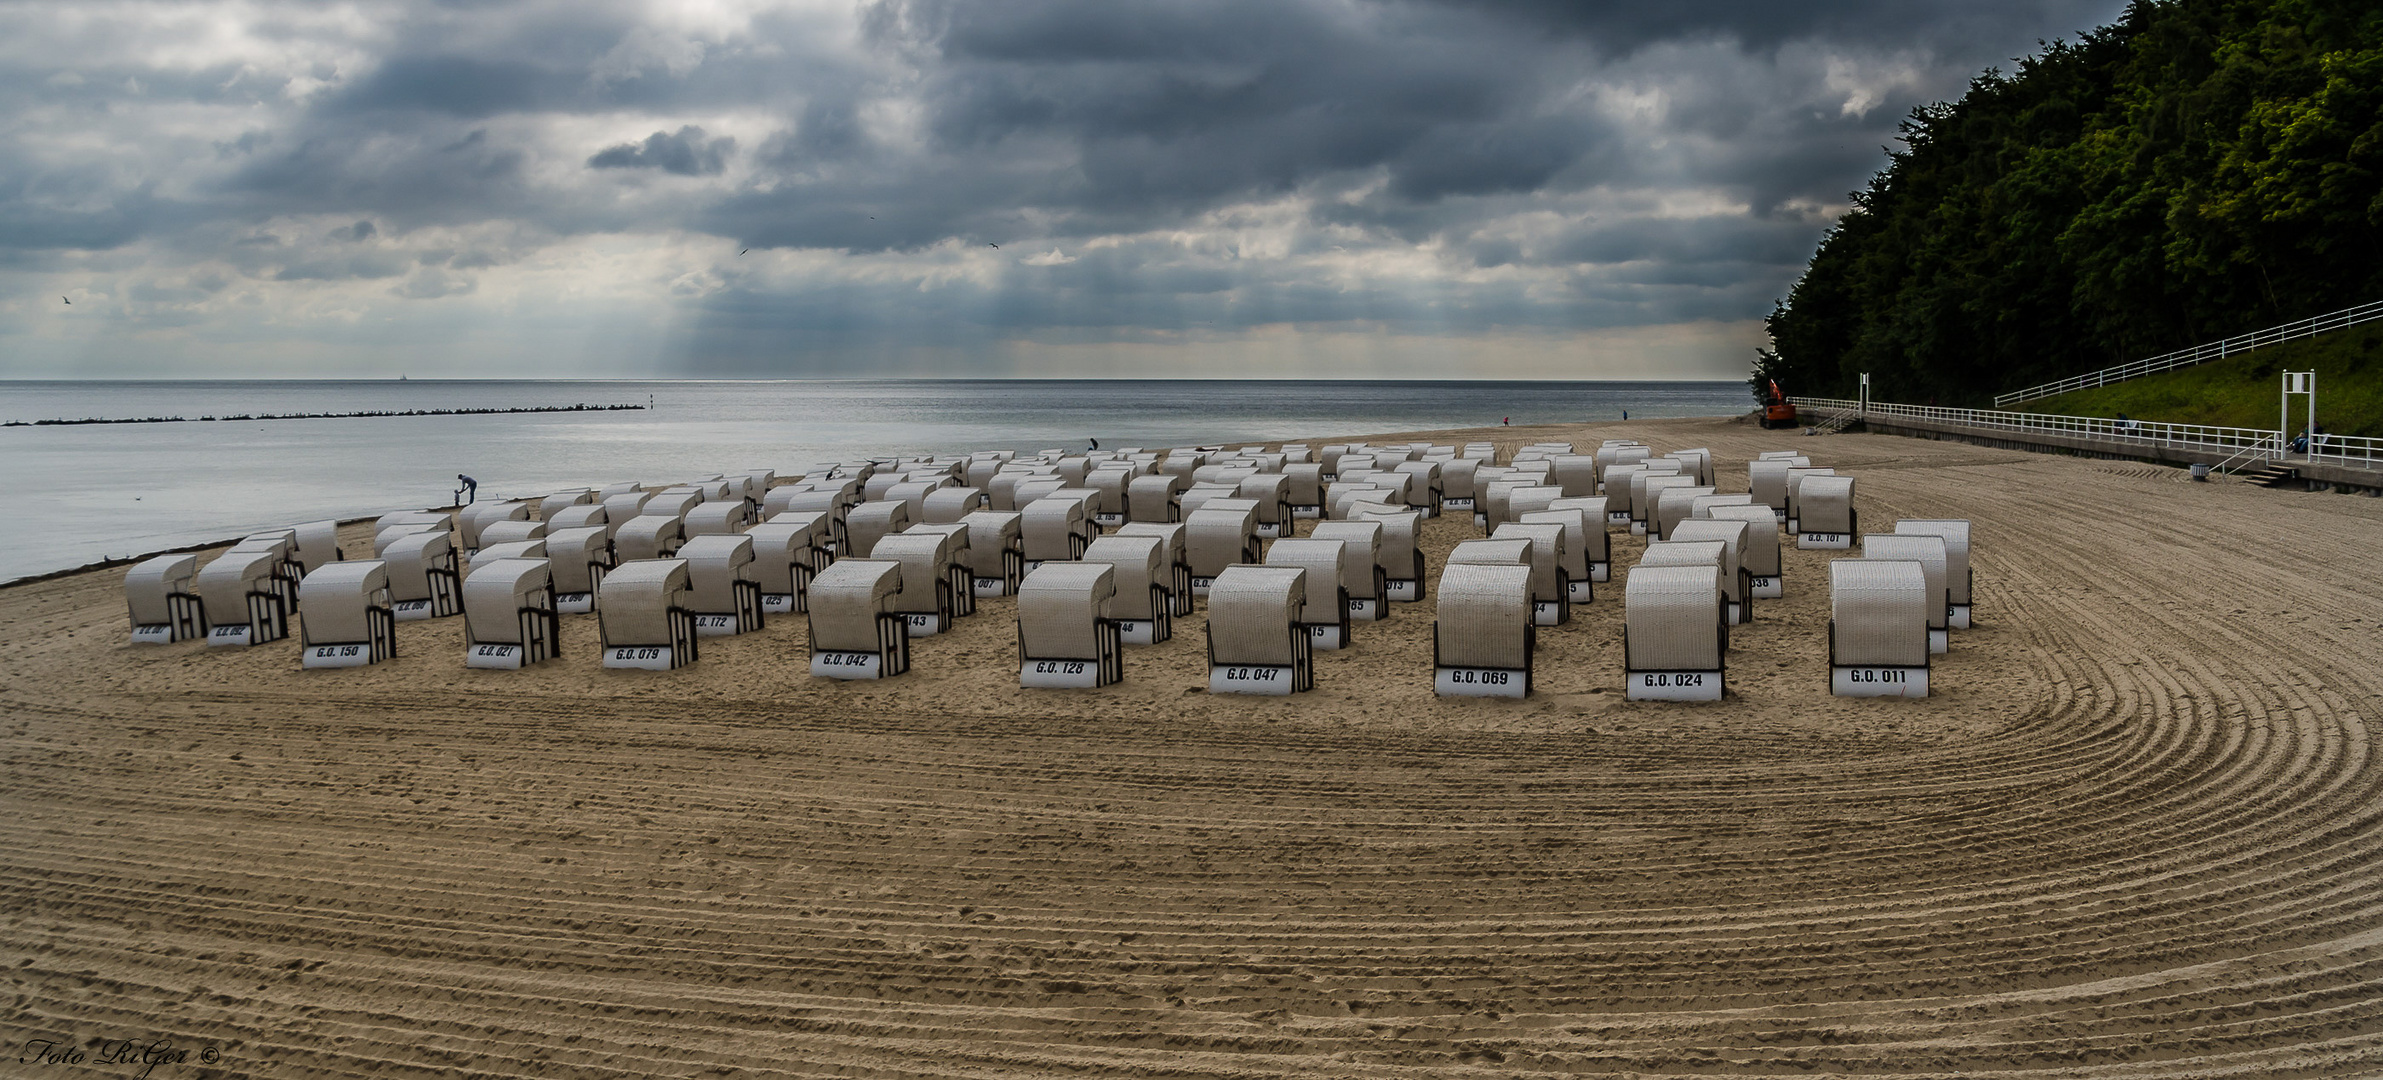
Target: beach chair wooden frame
[1066,636]
[1823,516]
[1324,604]
[1179,593]
[723,594]
[242,601]
[1675,646]
[1596,539]
[425,579]
[1255,644]
[1930,552]
[1878,628]
[1483,639]
[855,633]
[642,620]
[1364,577]
[509,616]
[1959,578]
[577,559]
[1145,601]
[162,603]
[348,621]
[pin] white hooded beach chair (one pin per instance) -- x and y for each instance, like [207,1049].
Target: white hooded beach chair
[1575,473]
[1878,628]
[1052,530]
[1067,637]
[283,543]
[1697,462]
[1955,532]
[1704,505]
[1156,499]
[1673,639]
[1144,578]
[946,505]
[471,519]
[242,602]
[1272,493]
[1737,579]
[348,622]
[1824,514]
[649,536]
[1579,578]
[1424,486]
[1929,552]
[1179,592]
[511,549]
[1596,545]
[1483,638]
[873,521]
[548,506]
[855,631]
[1339,499]
[1673,505]
[1485,453]
[619,509]
[163,602]
[1324,609]
[1760,557]
[1218,536]
[726,517]
[1615,483]
[934,580]
[1363,576]
[1646,489]
[582,516]
[963,553]
[1551,588]
[424,582]
[1108,485]
[642,616]
[996,552]
[509,531]
[1402,551]
[622,488]
[787,551]
[672,503]
[577,559]
[385,537]
[722,592]
[1200,494]
[1303,488]
[509,620]
[1328,458]
[1459,484]
[1255,642]
[1796,475]
[831,502]
[318,544]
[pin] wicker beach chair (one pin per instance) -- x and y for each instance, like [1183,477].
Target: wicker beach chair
[1324,610]
[642,617]
[1483,637]
[1144,580]
[1878,628]
[855,631]
[348,621]
[1824,516]
[1673,639]
[241,599]
[162,600]
[424,582]
[1255,642]
[1931,553]
[509,617]
[1067,636]
[723,594]
[1957,579]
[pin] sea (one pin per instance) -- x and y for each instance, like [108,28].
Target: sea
[78,494]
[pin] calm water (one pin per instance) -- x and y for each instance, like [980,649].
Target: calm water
[102,491]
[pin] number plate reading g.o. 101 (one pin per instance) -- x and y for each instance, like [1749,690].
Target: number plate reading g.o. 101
[1878,681]
[1813,541]
[333,656]
[1248,679]
[846,665]
[493,657]
[1478,682]
[1059,674]
[643,657]
[1675,685]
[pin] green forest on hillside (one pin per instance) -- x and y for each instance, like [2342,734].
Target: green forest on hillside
[2201,168]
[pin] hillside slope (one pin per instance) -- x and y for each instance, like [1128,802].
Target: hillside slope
[2243,391]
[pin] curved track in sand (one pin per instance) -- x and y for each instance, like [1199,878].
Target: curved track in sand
[2134,835]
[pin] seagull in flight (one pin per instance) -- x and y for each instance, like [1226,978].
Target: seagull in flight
[994,245]
[742,252]
[69,303]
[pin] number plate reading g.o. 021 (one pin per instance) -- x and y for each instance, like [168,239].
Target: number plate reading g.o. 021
[1059,674]
[847,665]
[493,657]
[1878,681]
[1675,685]
[1478,682]
[643,657]
[1249,679]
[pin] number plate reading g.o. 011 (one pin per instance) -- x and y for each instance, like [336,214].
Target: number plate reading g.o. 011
[1249,679]
[335,656]
[643,657]
[494,657]
[1878,681]
[1675,685]
[1059,674]
[1478,682]
[847,665]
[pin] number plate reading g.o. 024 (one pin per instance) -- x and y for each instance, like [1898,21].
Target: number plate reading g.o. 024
[335,656]
[1675,685]
[847,665]
[643,657]
[493,657]
[1249,679]
[1478,682]
[1059,674]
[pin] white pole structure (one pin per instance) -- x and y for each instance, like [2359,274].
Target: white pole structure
[2300,382]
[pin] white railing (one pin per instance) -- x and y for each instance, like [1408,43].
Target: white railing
[2216,350]
[2351,451]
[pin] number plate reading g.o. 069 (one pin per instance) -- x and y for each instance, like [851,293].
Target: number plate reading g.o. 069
[1478,682]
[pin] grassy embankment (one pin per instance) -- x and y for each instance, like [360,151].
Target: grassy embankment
[2243,391]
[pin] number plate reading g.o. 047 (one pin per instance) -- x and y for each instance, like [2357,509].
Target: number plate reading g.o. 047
[1249,679]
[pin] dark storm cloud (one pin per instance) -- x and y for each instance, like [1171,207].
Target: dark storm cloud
[686,153]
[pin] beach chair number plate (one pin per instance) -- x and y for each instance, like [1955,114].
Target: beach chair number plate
[1248,679]
[643,657]
[991,586]
[1959,619]
[1546,612]
[1675,686]
[1200,585]
[1768,588]
[410,610]
[157,634]
[1878,681]
[923,624]
[1059,674]
[1477,682]
[1824,541]
[493,657]
[1465,503]
[846,665]
[228,635]
[1579,591]
[1600,572]
[1403,590]
[574,603]
[715,625]
[777,603]
[1364,610]
[1137,631]
[1617,517]
[334,656]
[1327,636]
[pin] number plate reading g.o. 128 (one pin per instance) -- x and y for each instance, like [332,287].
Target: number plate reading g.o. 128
[1675,686]
[1059,674]
[1249,679]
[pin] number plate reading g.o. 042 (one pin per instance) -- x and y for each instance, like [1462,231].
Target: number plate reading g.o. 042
[1059,674]
[1675,685]
[847,665]
[334,656]
[1478,682]
[1249,679]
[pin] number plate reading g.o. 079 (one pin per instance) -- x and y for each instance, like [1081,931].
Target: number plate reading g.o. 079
[642,657]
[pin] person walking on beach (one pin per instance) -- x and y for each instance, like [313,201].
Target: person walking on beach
[1095,445]
[469,488]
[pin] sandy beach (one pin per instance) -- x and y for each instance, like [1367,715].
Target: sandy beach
[2136,831]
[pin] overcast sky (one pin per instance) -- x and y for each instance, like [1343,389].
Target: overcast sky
[1245,188]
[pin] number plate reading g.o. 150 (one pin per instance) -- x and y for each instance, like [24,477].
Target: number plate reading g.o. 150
[335,656]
